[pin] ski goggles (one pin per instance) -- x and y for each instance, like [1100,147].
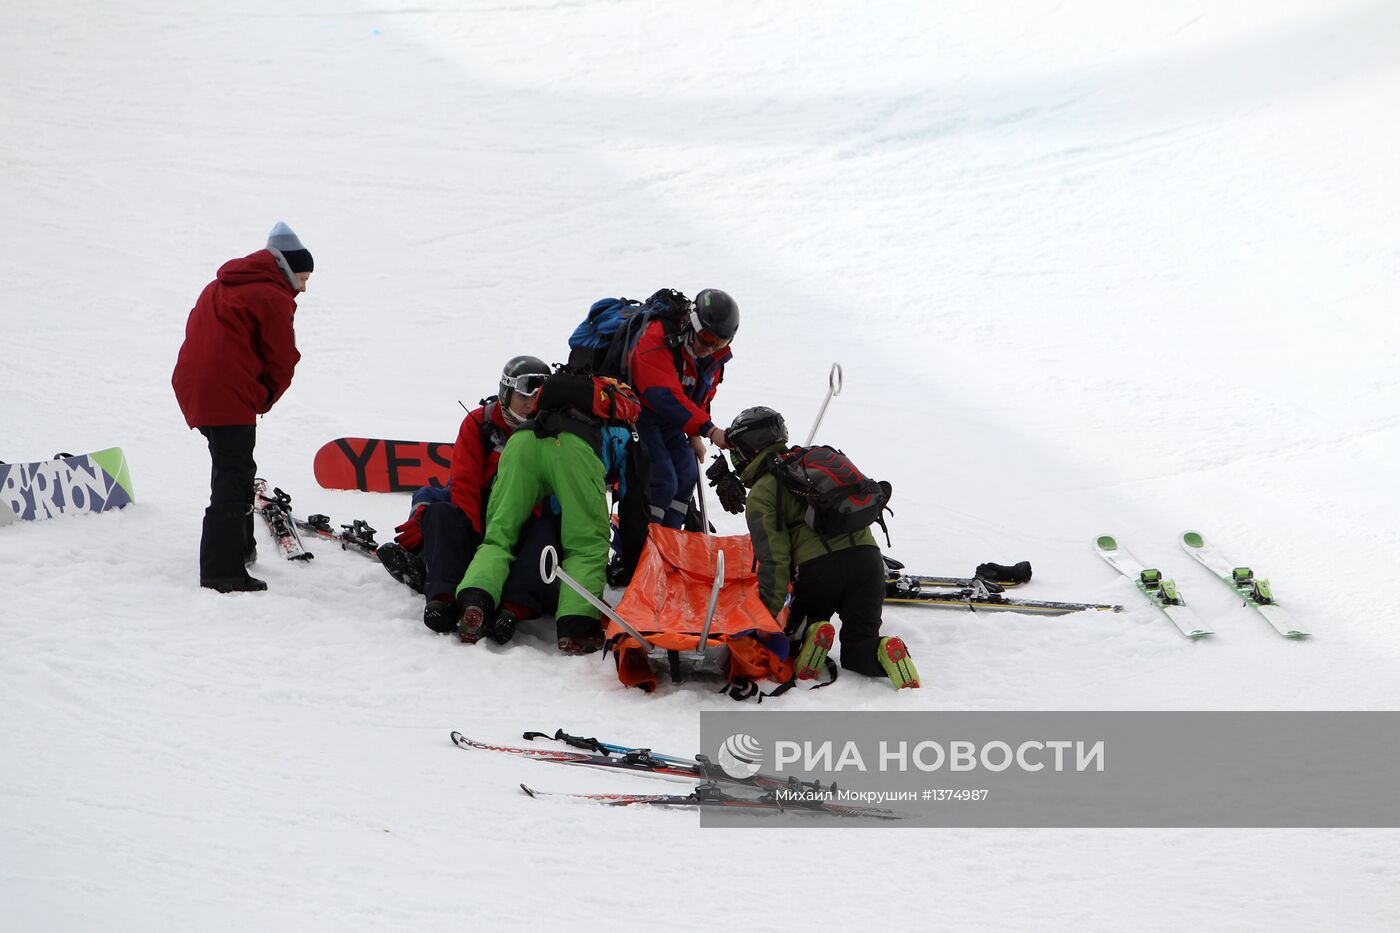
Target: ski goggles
[526,383]
[706,340]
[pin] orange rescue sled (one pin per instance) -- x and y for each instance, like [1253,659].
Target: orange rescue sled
[693,606]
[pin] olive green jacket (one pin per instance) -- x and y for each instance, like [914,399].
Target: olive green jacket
[782,540]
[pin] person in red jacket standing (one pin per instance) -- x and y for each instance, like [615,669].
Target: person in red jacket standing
[237,359]
[676,370]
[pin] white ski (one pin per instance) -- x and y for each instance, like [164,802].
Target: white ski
[1255,592]
[1157,588]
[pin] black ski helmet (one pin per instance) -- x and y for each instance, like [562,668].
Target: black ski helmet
[716,312]
[513,370]
[753,430]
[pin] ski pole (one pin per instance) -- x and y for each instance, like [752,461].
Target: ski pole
[606,748]
[834,388]
[550,569]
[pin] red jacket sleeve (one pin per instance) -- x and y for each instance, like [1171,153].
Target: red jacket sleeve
[473,467]
[276,344]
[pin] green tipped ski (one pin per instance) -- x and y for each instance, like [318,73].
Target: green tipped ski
[1254,591]
[1154,585]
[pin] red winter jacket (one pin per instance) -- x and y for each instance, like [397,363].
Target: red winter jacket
[474,460]
[240,349]
[676,401]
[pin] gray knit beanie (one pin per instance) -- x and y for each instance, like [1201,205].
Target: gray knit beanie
[285,242]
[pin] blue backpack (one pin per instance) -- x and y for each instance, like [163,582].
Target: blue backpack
[604,341]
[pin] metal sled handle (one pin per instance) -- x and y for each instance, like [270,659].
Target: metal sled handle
[550,570]
[701,648]
[834,383]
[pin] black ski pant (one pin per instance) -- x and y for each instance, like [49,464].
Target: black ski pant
[449,543]
[227,538]
[524,587]
[849,583]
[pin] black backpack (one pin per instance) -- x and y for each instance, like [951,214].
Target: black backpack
[838,497]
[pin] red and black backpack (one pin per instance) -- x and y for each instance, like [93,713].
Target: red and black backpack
[838,498]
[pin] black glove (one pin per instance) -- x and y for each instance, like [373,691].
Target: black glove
[717,470]
[1007,576]
[728,487]
[732,494]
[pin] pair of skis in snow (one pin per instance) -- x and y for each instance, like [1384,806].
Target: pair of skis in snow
[275,507]
[984,591]
[1164,594]
[773,793]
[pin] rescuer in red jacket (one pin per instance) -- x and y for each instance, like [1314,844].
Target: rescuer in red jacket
[237,359]
[676,368]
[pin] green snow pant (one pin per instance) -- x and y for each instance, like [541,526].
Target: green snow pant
[531,468]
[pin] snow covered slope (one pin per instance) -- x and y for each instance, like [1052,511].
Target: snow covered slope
[1089,268]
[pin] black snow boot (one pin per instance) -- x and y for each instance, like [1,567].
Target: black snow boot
[403,565]
[473,606]
[501,629]
[578,634]
[440,616]
[243,584]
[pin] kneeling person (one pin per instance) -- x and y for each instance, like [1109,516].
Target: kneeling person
[830,574]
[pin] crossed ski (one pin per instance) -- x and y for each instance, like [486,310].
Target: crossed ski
[645,762]
[275,506]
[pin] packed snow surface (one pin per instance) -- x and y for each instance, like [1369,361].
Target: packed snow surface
[1088,267]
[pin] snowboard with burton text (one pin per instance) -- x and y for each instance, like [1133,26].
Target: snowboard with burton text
[64,485]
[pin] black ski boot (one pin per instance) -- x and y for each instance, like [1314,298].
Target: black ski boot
[473,606]
[578,635]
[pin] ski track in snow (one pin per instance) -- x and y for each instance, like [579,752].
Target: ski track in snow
[1087,268]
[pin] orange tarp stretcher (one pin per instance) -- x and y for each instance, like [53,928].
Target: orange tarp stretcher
[666,603]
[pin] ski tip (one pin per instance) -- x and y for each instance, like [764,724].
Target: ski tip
[458,739]
[1192,539]
[1106,543]
[1198,634]
[528,791]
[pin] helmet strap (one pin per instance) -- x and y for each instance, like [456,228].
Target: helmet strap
[508,413]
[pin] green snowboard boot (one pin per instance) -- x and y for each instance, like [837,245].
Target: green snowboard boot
[820,637]
[899,667]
